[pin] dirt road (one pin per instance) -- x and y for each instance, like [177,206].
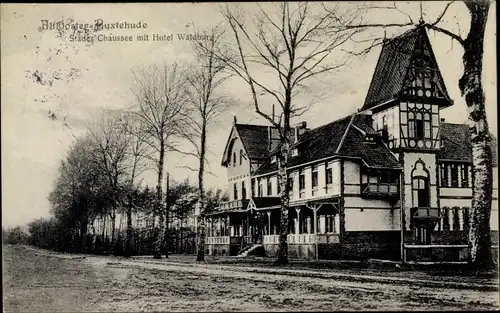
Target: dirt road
[45,282]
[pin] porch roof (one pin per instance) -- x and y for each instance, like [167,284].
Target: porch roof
[262,203]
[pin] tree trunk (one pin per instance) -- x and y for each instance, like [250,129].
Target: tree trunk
[113,227]
[167,213]
[201,219]
[159,211]
[285,195]
[128,245]
[472,90]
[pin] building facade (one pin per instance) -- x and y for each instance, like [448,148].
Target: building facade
[392,181]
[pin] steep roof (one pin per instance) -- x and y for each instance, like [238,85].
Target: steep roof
[457,145]
[392,67]
[254,139]
[338,138]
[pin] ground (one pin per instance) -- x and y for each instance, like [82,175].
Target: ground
[42,281]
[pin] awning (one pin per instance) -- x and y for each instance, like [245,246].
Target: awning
[264,203]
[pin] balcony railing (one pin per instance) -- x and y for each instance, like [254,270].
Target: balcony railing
[234,204]
[380,189]
[426,213]
[271,239]
[328,238]
[221,240]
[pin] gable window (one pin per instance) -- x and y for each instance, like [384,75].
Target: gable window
[464,171]
[454,175]
[314,177]
[419,124]
[234,158]
[241,157]
[235,191]
[269,186]
[444,175]
[243,190]
[273,159]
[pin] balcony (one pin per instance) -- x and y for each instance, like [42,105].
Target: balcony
[234,204]
[425,213]
[380,189]
[304,238]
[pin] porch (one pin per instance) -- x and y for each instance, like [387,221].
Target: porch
[311,226]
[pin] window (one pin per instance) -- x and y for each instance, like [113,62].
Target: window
[385,132]
[252,189]
[234,158]
[446,218]
[388,177]
[278,185]
[411,125]
[444,175]
[241,157]
[456,219]
[466,218]
[290,184]
[235,191]
[314,177]
[259,191]
[427,125]
[273,159]
[420,186]
[329,175]
[464,173]
[330,223]
[302,180]
[422,236]
[419,126]
[243,190]
[454,175]
[269,187]
[295,152]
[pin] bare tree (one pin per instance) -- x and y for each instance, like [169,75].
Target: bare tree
[110,142]
[292,43]
[206,100]
[160,96]
[470,85]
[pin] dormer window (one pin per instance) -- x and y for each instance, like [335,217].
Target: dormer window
[273,159]
[295,152]
[370,138]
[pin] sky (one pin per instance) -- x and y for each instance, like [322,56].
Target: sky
[78,80]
